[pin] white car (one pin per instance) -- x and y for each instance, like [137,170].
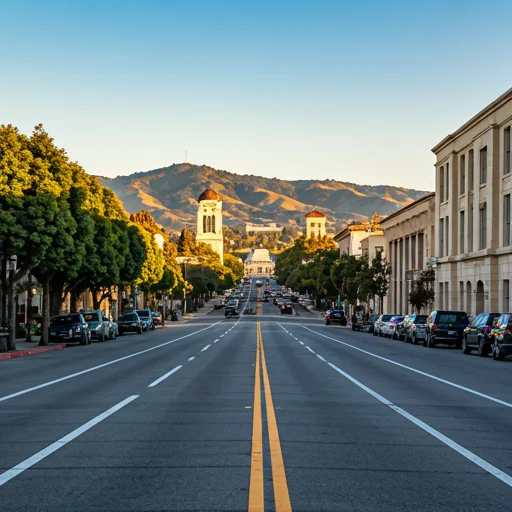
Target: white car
[389,328]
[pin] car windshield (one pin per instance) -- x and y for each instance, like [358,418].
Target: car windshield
[143,313]
[65,320]
[386,318]
[91,317]
[452,318]
[128,317]
[421,319]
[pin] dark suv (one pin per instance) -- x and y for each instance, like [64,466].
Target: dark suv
[445,327]
[477,336]
[69,328]
[336,315]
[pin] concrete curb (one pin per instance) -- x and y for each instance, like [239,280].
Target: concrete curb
[31,351]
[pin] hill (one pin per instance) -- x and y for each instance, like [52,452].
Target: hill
[170,194]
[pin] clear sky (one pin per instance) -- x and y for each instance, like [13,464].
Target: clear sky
[350,90]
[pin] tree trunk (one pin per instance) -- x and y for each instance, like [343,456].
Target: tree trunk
[3,292]
[11,315]
[45,282]
[55,302]
[29,310]
[73,301]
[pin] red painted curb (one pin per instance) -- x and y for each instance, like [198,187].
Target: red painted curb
[31,351]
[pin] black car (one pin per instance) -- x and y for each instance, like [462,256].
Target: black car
[502,346]
[129,322]
[146,318]
[70,328]
[287,309]
[445,327]
[231,311]
[335,316]
[477,336]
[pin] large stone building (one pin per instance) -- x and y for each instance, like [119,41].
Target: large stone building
[409,235]
[209,221]
[473,212]
[259,262]
[315,224]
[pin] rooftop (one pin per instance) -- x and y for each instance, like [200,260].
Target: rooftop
[209,195]
[314,213]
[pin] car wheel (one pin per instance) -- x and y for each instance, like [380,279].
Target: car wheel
[483,348]
[103,339]
[413,339]
[327,322]
[394,336]
[113,335]
[496,354]
[465,348]
[375,333]
[139,330]
[83,341]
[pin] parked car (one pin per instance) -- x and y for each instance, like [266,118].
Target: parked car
[158,318]
[502,346]
[69,328]
[98,324]
[413,328]
[445,327]
[478,336]
[335,316]
[129,322]
[377,328]
[389,329]
[146,319]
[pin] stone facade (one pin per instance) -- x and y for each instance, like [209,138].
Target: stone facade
[409,235]
[473,212]
[209,221]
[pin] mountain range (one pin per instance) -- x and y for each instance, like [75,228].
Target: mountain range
[170,195]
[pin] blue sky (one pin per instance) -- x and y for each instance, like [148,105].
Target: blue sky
[356,91]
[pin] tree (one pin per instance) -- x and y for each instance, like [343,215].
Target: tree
[374,279]
[186,243]
[235,265]
[345,276]
[422,293]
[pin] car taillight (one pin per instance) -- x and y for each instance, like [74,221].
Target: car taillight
[413,327]
[433,327]
[391,324]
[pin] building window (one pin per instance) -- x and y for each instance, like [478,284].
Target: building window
[461,295]
[462,227]
[312,224]
[421,250]
[506,220]
[506,296]
[378,250]
[441,238]
[413,252]
[483,226]
[483,165]
[447,227]
[471,170]
[365,252]
[441,184]
[213,223]
[506,150]
[441,295]
[462,179]
[470,228]
[446,295]
[447,181]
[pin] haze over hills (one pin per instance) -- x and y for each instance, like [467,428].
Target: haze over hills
[171,193]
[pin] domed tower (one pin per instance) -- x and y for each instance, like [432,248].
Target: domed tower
[209,221]
[315,224]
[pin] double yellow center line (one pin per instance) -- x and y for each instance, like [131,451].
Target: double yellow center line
[256,490]
[258,305]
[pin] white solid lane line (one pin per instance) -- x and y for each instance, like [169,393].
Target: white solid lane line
[163,377]
[310,349]
[205,348]
[439,379]
[191,358]
[63,441]
[486,466]
[83,372]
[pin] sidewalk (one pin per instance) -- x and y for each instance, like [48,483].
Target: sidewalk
[28,349]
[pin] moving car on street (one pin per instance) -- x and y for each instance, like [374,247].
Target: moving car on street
[478,336]
[287,308]
[158,318]
[445,327]
[335,316]
[231,311]
[98,324]
[129,322]
[69,328]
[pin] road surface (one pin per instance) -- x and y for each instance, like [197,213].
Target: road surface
[267,412]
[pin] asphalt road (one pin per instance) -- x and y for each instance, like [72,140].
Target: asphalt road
[265,412]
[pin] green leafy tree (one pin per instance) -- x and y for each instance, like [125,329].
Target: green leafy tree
[422,293]
[186,243]
[235,265]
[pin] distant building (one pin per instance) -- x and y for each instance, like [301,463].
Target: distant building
[209,221]
[315,224]
[409,235]
[262,228]
[259,262]
[350,238]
